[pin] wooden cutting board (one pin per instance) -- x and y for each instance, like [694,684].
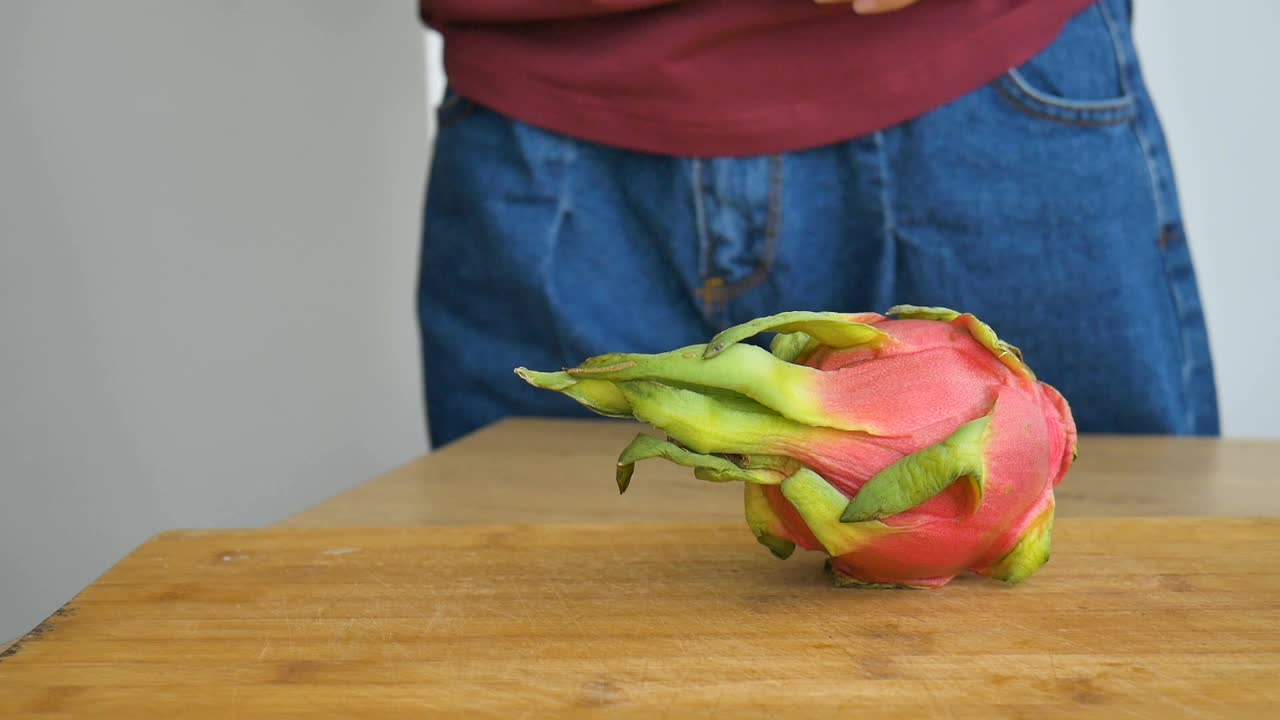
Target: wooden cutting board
[1132,618]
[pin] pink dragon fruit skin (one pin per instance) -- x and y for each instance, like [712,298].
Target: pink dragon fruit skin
[909,450]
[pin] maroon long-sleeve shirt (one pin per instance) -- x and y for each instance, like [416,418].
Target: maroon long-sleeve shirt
[730,77]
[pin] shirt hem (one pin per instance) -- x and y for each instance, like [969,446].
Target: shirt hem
[769,130]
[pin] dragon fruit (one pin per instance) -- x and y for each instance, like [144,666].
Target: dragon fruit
[909,448]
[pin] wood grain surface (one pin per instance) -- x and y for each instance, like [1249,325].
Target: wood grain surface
[1134,618]
[561,471]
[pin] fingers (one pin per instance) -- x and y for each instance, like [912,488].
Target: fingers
[872,7]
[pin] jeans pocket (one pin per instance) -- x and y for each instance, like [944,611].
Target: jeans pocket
[1081,78]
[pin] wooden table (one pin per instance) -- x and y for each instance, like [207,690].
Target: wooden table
[1145,618]
[561,471]
[553,597]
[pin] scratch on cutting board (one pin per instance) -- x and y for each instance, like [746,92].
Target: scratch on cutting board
[603,692]
[435,618]
[936,699]
[1085,649]
[351,589]
[339,551]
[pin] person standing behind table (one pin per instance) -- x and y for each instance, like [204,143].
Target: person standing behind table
[635,175]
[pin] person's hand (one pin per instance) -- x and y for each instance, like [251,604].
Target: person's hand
[871,7]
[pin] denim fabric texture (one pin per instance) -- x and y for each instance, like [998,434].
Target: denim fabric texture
[1043,202]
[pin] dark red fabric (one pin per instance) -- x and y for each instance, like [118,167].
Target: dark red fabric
[730,77]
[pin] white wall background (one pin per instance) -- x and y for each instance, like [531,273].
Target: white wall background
[208,228]
[209,214]
[1213,72]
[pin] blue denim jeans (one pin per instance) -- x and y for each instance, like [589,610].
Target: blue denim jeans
[1043,202]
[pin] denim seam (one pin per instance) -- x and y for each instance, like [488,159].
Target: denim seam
[564,209]
[1164,223]
[1153,177]
[773,221]
[705,300]
[1148,155]
[1179,309]
[890,223]
[1123,62]
[700,219]
[772,229]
